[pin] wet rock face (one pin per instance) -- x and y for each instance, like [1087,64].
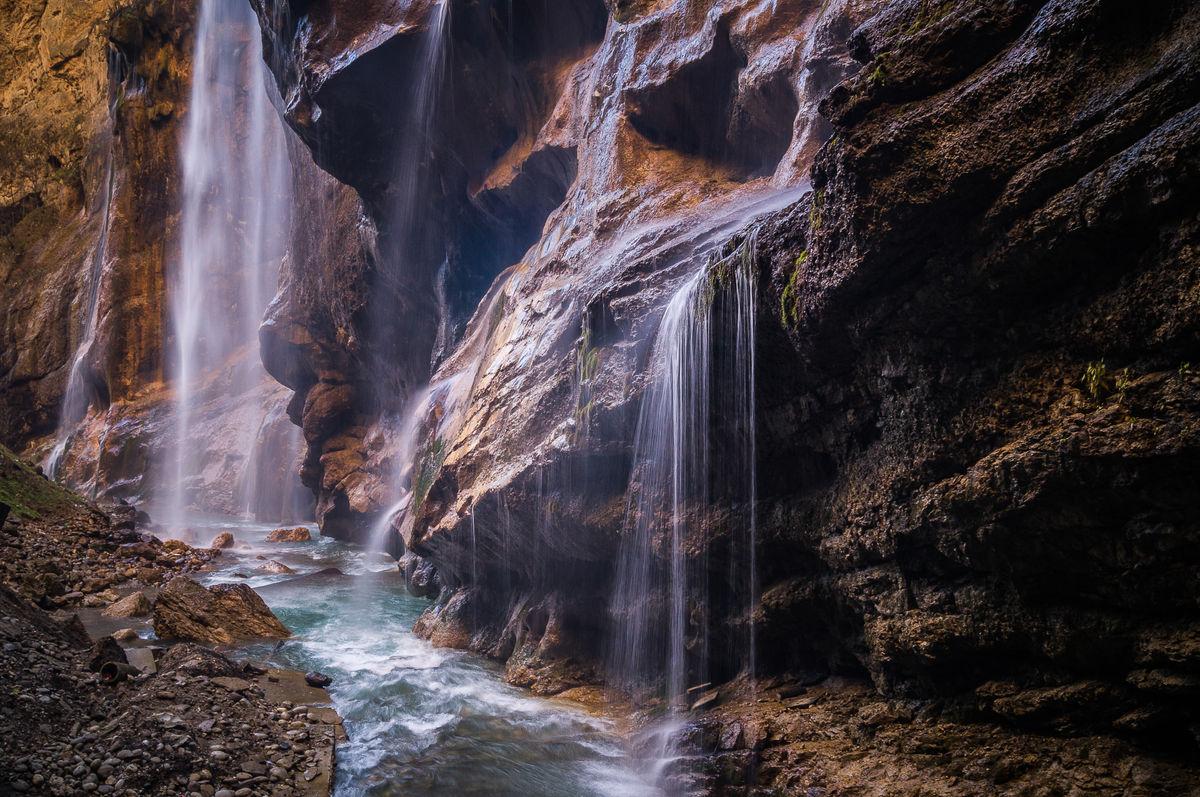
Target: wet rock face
[588,122]
[981,423]
[96,98]
[69,63]
[976,404]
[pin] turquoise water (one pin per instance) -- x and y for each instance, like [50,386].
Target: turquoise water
[421,720]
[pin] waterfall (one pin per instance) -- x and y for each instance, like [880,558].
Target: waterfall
[77,398]
[414,144]
[415,141]
[694,456]
[235,219]
[405,458]
[738,314]
[669,481]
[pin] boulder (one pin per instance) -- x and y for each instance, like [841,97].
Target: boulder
[298,534]
[222,540]
[135,604]
[106,650]
[176,547]
[142,659]
[279,568]
[190,659]
[220,615]
[317,679]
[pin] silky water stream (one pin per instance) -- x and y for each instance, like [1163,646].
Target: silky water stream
[421,720]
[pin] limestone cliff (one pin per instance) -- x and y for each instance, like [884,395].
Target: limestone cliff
[95,101]
[969,230]
[976,334]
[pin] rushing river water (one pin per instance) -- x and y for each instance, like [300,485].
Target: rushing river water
[421,720]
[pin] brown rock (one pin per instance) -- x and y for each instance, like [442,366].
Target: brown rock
[104,651]
[232,684]
[276,567]
[222,540]
[298,534]
[220,615]
[191,659]
[135,604]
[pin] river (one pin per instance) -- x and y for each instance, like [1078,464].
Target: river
[421,720]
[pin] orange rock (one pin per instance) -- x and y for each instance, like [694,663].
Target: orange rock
[222,540]
[298,534]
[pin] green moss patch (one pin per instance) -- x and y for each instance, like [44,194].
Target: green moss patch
[27,493]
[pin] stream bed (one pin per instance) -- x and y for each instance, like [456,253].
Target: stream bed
[421,720]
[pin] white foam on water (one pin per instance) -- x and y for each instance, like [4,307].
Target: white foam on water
[421,720]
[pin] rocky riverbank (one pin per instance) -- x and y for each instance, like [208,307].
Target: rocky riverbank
[839,736]
[171,720]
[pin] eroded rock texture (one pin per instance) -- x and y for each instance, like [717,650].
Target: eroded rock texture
[616,147]
[979,459]
[94,106]
[89,108]
[977,407]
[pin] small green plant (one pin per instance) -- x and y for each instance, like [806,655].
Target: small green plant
[497,313]
[1096,380]
[930,11]
[878,76]
[816,210]
[587,365]
[431,463]
[1122,382]
[1099,382]
[790,300]
[1185,370]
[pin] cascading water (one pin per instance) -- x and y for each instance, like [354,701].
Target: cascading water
[406,452]
[78,396]
[427,79]
[415,141]
[236,201]
[671,452]
[697,412]
[738,313]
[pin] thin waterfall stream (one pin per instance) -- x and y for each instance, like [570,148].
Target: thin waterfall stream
[77,398]
[703,363]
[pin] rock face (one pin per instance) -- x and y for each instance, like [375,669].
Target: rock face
[487,191]
[979,464]
[219,615]
[976,414]
[90,103]
[93,101]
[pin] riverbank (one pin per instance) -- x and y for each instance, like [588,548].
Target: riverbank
[176,720]
[421,719]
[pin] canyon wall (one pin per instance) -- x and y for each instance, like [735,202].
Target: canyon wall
[95,100]
[976,334]
[970,229]
[90,109]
